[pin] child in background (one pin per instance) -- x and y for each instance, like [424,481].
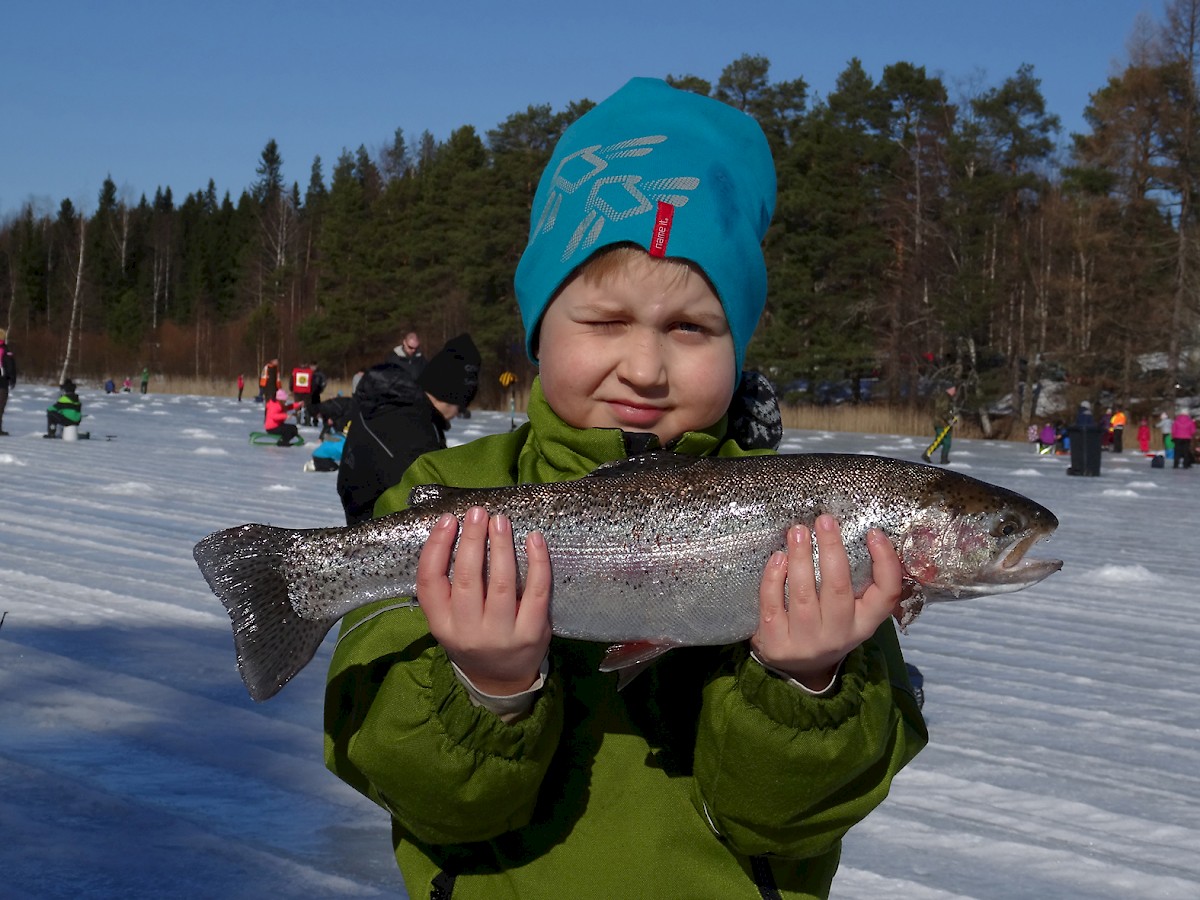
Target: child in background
[275,419]
[1047,438]
[328,454]
[512,767]
[1143,436]
[66,410]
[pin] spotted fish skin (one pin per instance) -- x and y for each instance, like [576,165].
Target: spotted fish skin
[660,548]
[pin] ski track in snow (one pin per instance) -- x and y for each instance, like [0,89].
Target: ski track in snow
[1064,756]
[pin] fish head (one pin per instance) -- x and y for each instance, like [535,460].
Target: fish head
[969,539]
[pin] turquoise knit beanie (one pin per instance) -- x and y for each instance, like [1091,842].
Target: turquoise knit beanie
[677,174]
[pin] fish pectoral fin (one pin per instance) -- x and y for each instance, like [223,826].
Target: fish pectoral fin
[912,602]
[630,659]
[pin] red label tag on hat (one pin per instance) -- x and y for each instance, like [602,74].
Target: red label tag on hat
[662,229]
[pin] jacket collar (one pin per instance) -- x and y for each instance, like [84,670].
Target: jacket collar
[555,449]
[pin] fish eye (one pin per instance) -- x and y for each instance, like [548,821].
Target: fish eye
[1006,526]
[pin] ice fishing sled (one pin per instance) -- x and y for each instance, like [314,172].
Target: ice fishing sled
[262,439]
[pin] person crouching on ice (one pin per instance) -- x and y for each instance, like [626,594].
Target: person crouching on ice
[276,421]
[66,410]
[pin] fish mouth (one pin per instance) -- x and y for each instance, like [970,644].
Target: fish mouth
[1015,570]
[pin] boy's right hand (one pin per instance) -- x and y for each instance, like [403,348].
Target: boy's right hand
[497,640]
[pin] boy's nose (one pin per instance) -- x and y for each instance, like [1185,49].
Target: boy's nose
[644,362]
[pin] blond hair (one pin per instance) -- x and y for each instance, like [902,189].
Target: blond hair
[608,262]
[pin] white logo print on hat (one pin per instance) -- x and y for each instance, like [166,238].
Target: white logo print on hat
[613,198]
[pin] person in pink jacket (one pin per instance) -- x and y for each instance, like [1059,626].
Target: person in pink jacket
[276,421]
[1183,429]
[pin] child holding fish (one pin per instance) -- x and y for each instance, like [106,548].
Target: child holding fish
[510,764]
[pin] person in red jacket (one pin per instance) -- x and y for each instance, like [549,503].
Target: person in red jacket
[276,421]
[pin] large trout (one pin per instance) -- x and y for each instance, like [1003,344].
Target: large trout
[660,549]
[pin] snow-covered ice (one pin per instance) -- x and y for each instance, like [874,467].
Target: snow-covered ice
[1064,759]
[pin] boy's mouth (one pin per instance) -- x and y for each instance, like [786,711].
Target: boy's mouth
[635,415]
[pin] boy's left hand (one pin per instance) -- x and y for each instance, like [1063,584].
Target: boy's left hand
[807,633]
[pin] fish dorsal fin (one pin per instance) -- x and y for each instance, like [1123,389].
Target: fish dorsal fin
[659,460]
[425,494]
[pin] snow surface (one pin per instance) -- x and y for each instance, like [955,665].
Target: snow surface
[1064,759]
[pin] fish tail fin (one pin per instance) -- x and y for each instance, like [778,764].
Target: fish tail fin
[246,567]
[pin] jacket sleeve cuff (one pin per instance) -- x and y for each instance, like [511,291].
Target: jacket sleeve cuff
[512,707]
[828,691]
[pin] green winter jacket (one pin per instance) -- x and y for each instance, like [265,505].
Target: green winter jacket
[706,777]
[69,407]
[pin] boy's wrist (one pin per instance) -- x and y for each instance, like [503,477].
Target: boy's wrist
[497,699]
[821,684]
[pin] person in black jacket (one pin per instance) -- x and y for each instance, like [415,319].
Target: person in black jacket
[8,376]
[334,414]
[399,417]
[408,354]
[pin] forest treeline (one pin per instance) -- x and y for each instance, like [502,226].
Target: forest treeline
[916,237]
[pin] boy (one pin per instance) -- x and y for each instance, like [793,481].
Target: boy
[510,765]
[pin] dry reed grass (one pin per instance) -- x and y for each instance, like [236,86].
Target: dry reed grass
[869,419]
[862,419]
[206,387]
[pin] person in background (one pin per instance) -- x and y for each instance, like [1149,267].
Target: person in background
[1047,438]
[509,764]
[302,390]
[1143,436]
[334,414]
[275,419]
[1183,429]
[241,386]
[314,396]
[1164,429]
[397,418]
[945,417]
[328,454]
[66,410]
[110,386]
[268,381]
[1084,417]
[145,379]
[127,385]
[8,375]
[1116,424]
[408,353]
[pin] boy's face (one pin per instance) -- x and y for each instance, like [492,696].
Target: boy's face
[647,349]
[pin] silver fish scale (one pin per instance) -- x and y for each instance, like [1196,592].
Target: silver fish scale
[672,550]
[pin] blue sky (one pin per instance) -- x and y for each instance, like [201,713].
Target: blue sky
[173,93]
